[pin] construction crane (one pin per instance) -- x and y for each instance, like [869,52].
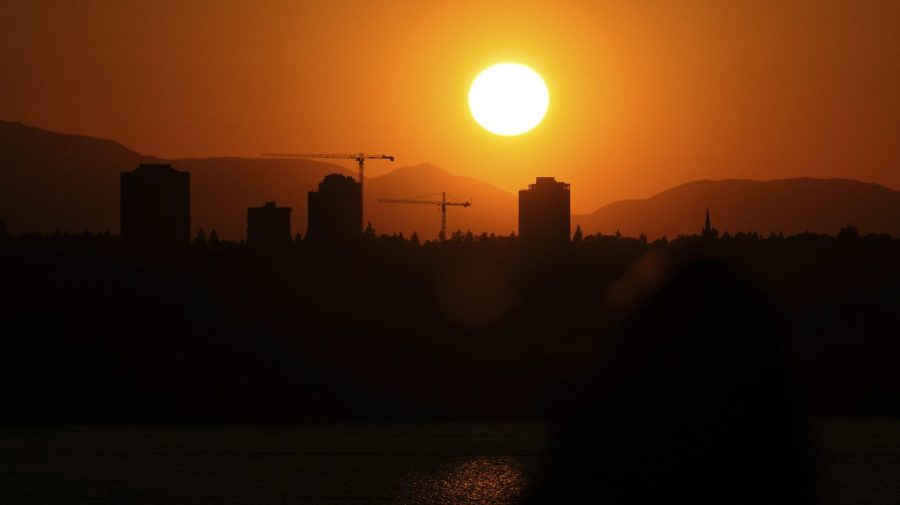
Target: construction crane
[359,157]
[443,203]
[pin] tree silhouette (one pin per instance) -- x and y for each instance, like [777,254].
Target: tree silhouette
[369,233]
[240,326]
[200,239]
[579,235]
[848,233]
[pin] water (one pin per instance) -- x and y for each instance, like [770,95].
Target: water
[859,461]
[441,464]
[396,464]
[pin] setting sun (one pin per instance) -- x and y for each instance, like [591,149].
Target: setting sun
[508,99]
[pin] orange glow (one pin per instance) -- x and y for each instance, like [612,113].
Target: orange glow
[645,95]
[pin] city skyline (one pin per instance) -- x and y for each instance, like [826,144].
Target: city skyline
[45,168]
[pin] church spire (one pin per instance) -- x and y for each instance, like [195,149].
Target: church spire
[708,231]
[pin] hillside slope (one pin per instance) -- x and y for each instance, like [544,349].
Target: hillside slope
[786,205]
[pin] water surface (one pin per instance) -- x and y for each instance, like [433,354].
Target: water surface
[441,464]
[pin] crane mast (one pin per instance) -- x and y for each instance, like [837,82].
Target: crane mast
[443,203]
[360,160]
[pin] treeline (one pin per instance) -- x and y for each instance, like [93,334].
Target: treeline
[395,327]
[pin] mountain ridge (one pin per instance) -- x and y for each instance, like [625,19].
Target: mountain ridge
[792,205]
[60,181]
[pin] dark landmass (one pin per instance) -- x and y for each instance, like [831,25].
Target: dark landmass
[476,327]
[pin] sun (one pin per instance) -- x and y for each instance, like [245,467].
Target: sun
[508,99]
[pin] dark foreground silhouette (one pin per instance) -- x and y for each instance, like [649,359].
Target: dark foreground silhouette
[392,329]
[691,402]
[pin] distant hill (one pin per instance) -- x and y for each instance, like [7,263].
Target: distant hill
[223,188]
[52,181]
[492,210]
[787,205]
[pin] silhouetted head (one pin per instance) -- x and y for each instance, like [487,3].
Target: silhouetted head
[690,403]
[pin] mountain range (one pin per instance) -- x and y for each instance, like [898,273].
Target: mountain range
[783,205]
[53,181]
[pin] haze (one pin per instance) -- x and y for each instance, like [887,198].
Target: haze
[644,95]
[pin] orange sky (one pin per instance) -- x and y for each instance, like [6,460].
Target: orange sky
[644,95]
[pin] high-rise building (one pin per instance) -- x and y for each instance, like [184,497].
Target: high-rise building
[544,215]
[155,205]
[268,225]
[335,210]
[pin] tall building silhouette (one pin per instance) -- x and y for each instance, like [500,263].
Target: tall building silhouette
[268,225]
[335,210]
[155,205]
[544,214]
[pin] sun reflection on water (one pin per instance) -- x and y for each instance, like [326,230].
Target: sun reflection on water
[481,480]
